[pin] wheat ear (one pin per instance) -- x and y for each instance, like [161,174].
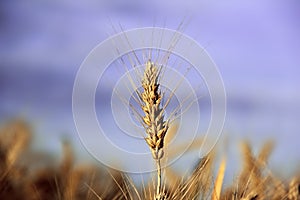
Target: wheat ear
[155,125]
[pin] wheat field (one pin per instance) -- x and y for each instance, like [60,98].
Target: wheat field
[26,174]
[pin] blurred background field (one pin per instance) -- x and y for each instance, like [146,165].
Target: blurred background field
[30,174]
[255,45]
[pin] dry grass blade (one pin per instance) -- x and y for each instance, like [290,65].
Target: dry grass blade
[219,180]
[93,191]
[198,185]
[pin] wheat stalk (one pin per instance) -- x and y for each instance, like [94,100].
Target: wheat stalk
[155,125]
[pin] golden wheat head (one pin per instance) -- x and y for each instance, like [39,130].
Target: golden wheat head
[154,113]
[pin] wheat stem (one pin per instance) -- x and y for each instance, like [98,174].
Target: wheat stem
[158,188]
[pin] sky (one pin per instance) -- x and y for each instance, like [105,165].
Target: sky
[255,44]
